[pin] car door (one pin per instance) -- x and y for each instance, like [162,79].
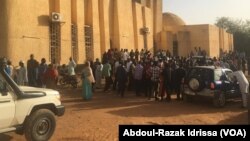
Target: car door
[7,105]
[233,88]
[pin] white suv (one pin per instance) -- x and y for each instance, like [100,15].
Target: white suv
[27,110]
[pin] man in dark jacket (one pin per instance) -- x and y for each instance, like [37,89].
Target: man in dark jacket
[121,76]
[179,76]
[168,79]
[32,66]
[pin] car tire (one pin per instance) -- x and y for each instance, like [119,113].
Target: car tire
[40,126]
[195,84]
[62,81]
[219,100]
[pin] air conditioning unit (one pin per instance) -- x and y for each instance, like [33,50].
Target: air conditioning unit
[56,17]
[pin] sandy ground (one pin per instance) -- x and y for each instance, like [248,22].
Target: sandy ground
[98,119]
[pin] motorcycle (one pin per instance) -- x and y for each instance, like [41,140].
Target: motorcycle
[68,80]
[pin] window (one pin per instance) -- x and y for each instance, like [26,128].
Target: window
[74,42]
[204,74]
[218,75]
[89,42]
[55,42]
[230,76]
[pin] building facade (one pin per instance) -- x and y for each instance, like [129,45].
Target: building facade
[83,29]
[181,39]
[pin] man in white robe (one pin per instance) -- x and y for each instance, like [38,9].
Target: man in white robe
[244,86]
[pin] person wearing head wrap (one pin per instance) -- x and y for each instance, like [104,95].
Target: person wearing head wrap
[87,81]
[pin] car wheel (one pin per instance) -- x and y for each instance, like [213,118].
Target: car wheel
[196,83]
[40,126]
[219,100]
[62,81]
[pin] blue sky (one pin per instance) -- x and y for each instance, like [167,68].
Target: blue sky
[206,11]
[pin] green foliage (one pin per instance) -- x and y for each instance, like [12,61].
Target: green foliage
[241,31]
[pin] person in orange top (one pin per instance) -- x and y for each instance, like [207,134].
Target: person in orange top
[51,76]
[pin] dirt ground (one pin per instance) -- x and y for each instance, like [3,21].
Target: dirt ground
[98,119]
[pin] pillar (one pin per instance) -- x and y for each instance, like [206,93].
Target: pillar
[104,6]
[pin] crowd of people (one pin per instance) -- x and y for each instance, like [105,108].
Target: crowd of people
[154,76]
[37,74]
[157,76]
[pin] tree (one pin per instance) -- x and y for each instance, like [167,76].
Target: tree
[240,29]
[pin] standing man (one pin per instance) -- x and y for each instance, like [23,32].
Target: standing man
[121,76]
[21,75]
[168,80]
[10,69]
[179,76]
[244,86]
[32,66]
[155,78]
[41,72]
[136,55]
[138,78]
[106,72]
[71,67]
[116,66]
[147,80]
[98,75]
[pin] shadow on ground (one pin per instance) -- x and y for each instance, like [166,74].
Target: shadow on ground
[132,106]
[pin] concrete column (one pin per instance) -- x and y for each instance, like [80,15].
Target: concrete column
[125,24]
[104,6]
[65,11]
[114,24]
[149,3]
[80,24]
[138,25]
[157,14]
[96,29]
[143,2]
[232,44]
[148,22]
